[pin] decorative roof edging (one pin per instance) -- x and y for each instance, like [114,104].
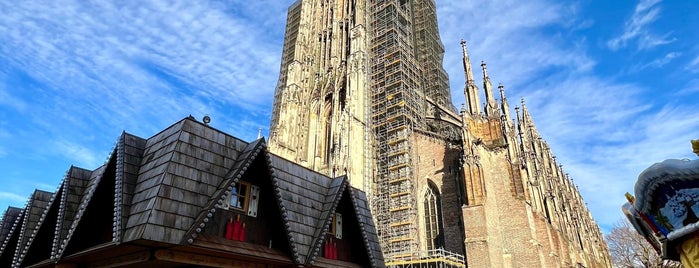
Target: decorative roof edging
[61,210]
[45,212]
[13,229]
[363,227]
[22,248]
[91,189]
[328,219]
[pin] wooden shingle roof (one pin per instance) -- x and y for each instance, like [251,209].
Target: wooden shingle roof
[167,188]
[182,168]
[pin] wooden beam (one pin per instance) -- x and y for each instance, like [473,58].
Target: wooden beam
[123,260]
[204,260]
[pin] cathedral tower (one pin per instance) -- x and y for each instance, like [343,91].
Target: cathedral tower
[362,92]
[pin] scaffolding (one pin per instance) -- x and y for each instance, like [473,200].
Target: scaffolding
[430,53]
[438,258]
[397,110]
[394,114]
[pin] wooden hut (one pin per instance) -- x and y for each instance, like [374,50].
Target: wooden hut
[192,196]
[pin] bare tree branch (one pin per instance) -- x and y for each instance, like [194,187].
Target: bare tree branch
[630,250]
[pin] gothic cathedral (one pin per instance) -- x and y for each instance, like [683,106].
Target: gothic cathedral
[362,92]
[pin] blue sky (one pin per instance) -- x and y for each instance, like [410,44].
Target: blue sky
[613,86]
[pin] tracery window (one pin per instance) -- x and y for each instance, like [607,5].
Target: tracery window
[434,232]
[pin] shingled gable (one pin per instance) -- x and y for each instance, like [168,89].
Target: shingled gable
[310,200]
[8,220]
[332,198]
[35,210]
[237,171]
[9,243]
[361,233]
[44,231]
[366,225]
[72,189]
[95,210]
[182,167]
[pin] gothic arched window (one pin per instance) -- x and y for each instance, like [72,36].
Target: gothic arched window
[434,232]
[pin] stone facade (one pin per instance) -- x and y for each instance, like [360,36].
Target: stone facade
[362,92]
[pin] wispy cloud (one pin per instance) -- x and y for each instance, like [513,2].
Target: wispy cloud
[636,28]
[222,55]
[78,153]
[12,197]
[693,66]
[660,62]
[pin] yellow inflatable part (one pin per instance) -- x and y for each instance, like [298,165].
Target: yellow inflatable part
[689,252]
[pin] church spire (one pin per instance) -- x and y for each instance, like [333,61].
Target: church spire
[491,108]
[471,90]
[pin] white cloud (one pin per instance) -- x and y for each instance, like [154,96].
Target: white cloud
[635,29]
[12,198]
[78,153]
[222,55]
[693,66]
[659,63]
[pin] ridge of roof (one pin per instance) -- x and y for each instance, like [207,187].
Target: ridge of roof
[181,169]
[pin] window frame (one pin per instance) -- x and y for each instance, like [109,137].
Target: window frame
[245,197]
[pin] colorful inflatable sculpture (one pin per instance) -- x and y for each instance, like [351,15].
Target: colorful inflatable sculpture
[665,209]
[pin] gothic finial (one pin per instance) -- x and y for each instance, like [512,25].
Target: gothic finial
[470,90]
[485,69]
